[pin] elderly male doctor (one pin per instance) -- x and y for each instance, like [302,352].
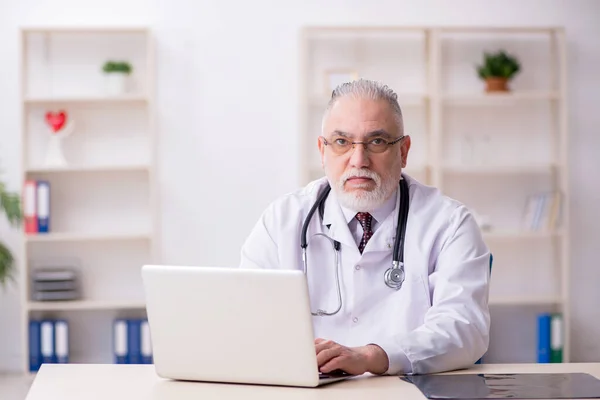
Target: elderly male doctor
[438,319]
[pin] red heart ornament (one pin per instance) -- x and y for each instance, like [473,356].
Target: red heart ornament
[56,120]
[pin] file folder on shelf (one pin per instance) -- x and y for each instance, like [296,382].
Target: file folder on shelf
[61,335]
[47,343]
[35,341]
[120,341]
[146,344]
[30,207]
[134,342]
[43,206]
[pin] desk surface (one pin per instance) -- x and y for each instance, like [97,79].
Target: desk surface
[113,382]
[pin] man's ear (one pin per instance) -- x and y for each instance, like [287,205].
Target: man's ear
[404,149]
[321,147]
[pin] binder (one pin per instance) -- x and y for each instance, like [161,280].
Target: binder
[61,335]
[134,341]
[35,354]
[556,342]
[120,341]
[30,207]
[47,342]
[544,328]
[146,343]
[43,206]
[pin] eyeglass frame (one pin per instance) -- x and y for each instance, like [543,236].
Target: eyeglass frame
[393,142]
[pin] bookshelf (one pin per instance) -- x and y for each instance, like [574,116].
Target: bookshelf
[491,151]
[104,201]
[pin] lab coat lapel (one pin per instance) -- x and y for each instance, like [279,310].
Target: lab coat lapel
[384,236]
[338,227]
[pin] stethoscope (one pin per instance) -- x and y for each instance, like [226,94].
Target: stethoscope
[394,276]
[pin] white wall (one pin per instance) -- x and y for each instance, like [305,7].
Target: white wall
[228,73]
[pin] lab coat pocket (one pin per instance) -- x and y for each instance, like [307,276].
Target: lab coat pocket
[410,305]
[419,294]
[425,288]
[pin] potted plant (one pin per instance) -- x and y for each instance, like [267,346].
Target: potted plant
[497,69]
[10,205]
[117,73]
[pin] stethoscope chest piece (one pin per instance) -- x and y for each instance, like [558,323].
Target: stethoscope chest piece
[394,277]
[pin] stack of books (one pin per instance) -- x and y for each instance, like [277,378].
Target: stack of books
[52,284]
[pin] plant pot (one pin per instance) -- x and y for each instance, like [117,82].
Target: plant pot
[496,84]
[116,83]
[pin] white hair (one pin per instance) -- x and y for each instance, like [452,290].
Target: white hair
[366,89]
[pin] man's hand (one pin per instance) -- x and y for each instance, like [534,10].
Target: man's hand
[353,360]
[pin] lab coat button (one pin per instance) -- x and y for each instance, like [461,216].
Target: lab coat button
[355,320]
[357,267]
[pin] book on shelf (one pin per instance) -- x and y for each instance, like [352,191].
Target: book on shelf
[550,338]
[542,211]
[36,206]
[131,341]
[48,342]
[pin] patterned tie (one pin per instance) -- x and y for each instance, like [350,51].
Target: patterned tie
[365,220]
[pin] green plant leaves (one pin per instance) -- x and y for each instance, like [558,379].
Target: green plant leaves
[117,66]
[6,265]
[10,204]
[498,65]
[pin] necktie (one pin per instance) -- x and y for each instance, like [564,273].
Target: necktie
[365,221]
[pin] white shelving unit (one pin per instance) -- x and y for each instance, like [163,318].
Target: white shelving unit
[104,203]
[490,151]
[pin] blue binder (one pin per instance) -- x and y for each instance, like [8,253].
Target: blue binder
[35,342]
[47,348]
[134,342]
[544,350]
[61,341]
[121,341]
[146,343]
[43,206]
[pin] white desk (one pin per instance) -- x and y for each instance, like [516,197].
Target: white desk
[114,382]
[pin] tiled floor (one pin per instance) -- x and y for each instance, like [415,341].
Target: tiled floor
[14,386]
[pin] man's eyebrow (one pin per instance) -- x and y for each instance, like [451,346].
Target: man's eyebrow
[379,132]
[340,133]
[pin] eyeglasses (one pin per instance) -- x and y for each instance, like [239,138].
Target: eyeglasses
[341,145]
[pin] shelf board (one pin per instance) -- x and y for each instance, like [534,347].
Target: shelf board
[118,29]
[84,237]
[85,305]
[89,168]
[489,169]
[483,99]
[525,300]
[131,98]
[520,235]
[500,29]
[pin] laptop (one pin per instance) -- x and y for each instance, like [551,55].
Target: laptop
[216,324]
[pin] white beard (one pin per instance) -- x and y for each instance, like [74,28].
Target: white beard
[364,200]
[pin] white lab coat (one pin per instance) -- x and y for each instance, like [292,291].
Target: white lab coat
[439,320]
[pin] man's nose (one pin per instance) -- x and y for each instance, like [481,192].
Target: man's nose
[359,157]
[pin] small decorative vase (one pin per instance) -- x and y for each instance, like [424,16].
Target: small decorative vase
[54,150]
[116,83]
[494,84]
[54,153]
